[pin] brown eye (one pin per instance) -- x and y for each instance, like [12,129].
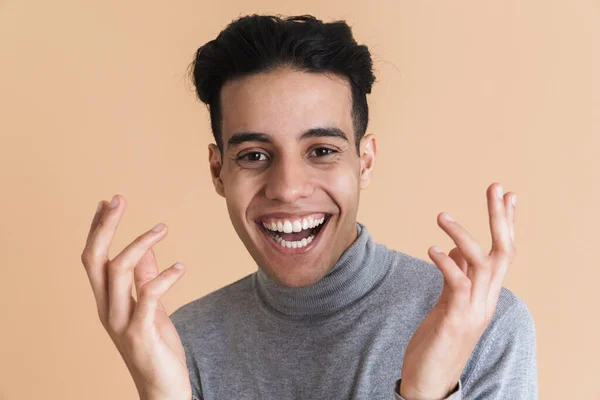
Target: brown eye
[253,156]
[322,151]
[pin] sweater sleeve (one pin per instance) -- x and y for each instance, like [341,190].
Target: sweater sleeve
[455,395]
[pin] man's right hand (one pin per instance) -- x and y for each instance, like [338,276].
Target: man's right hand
[141,330]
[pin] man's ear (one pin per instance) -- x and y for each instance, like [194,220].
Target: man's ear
[368,149]
[216,165]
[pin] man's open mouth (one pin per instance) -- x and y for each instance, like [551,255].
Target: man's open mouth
[296,233]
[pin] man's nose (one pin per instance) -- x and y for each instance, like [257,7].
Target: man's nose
[288,181]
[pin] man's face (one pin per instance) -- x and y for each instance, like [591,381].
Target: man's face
[290,172]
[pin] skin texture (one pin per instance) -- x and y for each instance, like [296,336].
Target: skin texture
[288,174]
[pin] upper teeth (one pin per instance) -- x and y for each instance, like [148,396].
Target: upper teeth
[298,225]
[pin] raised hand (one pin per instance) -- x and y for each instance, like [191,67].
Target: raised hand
[441,346]
[141,330]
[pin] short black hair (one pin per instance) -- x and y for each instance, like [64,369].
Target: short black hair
[260,43]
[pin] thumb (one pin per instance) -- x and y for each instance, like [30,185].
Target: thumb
[145,271]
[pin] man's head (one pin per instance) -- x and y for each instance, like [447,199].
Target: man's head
[287,101]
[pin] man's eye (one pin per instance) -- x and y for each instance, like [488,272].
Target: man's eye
[253,156]
[322,151]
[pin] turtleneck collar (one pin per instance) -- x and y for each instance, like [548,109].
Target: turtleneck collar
[359,269]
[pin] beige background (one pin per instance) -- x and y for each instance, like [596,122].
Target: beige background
[94,101]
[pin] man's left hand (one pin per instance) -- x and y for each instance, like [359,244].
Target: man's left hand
[441,346]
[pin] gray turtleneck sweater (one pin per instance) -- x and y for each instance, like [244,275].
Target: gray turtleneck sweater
[344,337]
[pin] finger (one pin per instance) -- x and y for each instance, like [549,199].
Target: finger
[499,226]
[104,231]
[503,264]
[510,213]
[120,276]
[478,272]
[469,248]
[150,294]
[459,259]
[453,275]
[95,264]
[99,212]
[145,271]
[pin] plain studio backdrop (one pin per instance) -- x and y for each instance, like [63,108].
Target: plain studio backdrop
[94,100]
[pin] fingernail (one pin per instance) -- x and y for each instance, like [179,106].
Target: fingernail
[99,207]
[499,191]
[114,201]
[158,227]
[436,249]
[514,200]
[178,266]
[447,217]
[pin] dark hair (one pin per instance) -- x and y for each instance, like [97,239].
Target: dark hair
[260,43]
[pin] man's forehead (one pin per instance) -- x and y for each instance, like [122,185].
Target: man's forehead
[288,103]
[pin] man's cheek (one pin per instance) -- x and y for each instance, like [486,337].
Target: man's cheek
[342,186]
[237,194]
[238,185]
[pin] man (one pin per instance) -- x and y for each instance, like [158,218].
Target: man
[329,314]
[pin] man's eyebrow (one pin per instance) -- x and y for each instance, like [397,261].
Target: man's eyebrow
[241,137]
[327,131]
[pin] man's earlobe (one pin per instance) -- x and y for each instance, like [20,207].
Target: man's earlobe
[368,151]
[216,164]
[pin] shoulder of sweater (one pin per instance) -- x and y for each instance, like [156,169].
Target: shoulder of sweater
[424,279]
[414,275]
[206,306]
[411,265]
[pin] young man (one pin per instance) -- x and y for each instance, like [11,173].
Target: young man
[329,313]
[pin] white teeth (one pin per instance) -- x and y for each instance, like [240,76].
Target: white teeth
[304,224]
[293,226]
[298,244]
[287,227]
[297,226]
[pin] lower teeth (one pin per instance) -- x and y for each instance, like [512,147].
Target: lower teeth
[298,244]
